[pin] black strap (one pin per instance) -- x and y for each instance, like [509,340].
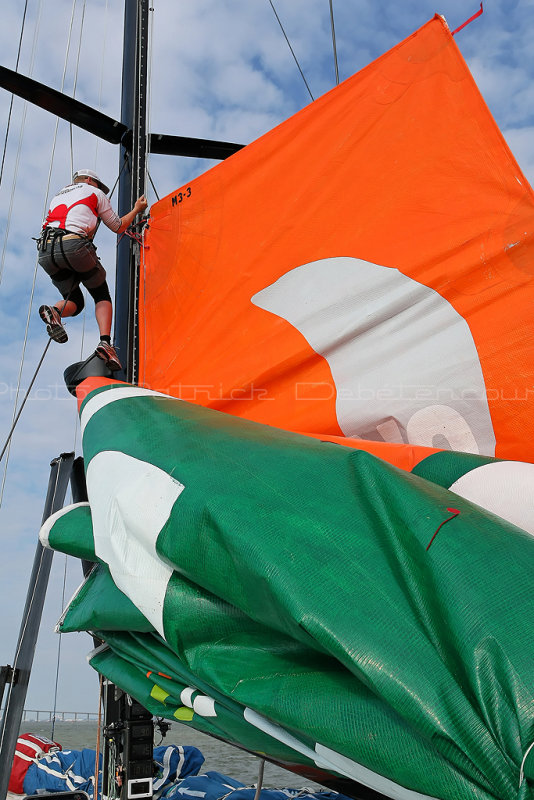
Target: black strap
[62,252]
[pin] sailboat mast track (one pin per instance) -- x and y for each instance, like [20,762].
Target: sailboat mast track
[132,181]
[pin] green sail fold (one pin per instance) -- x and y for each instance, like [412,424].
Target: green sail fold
[370,621]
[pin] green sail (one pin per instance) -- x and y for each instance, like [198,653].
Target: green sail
[367,620]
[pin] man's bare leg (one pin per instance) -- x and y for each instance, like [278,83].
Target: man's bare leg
[104,314]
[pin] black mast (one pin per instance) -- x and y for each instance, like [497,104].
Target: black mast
[132,178]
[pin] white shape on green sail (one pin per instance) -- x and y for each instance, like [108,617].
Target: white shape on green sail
[204,706]
[332,761]
[47,526]
[186,696]
[505,488]
[399,353]
[102,399]
[131,500]
[366,776]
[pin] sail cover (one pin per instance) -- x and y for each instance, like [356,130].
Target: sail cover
[363,270]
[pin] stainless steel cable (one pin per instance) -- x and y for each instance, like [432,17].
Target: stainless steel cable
[12,96]
[334,40]
[291,49]
[30,304]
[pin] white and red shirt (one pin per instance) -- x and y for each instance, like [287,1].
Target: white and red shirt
[78,208]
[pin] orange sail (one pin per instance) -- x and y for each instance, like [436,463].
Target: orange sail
[365,270]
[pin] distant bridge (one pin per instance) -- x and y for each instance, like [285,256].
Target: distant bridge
[36,715]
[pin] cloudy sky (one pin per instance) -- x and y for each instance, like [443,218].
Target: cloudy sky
[220,69]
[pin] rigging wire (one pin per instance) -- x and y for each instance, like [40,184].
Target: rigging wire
[6,234]
[152,184]
[13,96]
[100,92]
[84,315]
[98,728]
[104,47]
[19,147]
[292,52]
[58,658]
[149,95]
[75,84]
[19,412]
[334,40]
[32,292]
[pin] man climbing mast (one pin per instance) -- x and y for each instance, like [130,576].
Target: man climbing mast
[68,256]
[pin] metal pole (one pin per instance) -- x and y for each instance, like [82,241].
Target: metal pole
[60,470]
[132,177]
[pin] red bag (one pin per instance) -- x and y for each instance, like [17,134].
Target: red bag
[30,747]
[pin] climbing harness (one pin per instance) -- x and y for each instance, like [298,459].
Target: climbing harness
[51,235]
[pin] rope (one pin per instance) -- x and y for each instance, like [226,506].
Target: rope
[12,96]
[16,415]
[74,87]
[104,45]
[260,779]
[97,748]
[152,184]
[10,434]
[19,380]
[19,146]
[84,314]
[292,53]
[118,176]
[149,95]
[334,40]
[30,305]
[59,652]
[142,277]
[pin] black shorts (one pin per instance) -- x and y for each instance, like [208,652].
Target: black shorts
[70,262]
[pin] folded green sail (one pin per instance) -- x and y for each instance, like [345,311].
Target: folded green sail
[370,623]
[98,604]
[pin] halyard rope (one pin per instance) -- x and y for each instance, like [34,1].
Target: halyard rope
[260,779]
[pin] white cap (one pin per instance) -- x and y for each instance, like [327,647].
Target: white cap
[88,173]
